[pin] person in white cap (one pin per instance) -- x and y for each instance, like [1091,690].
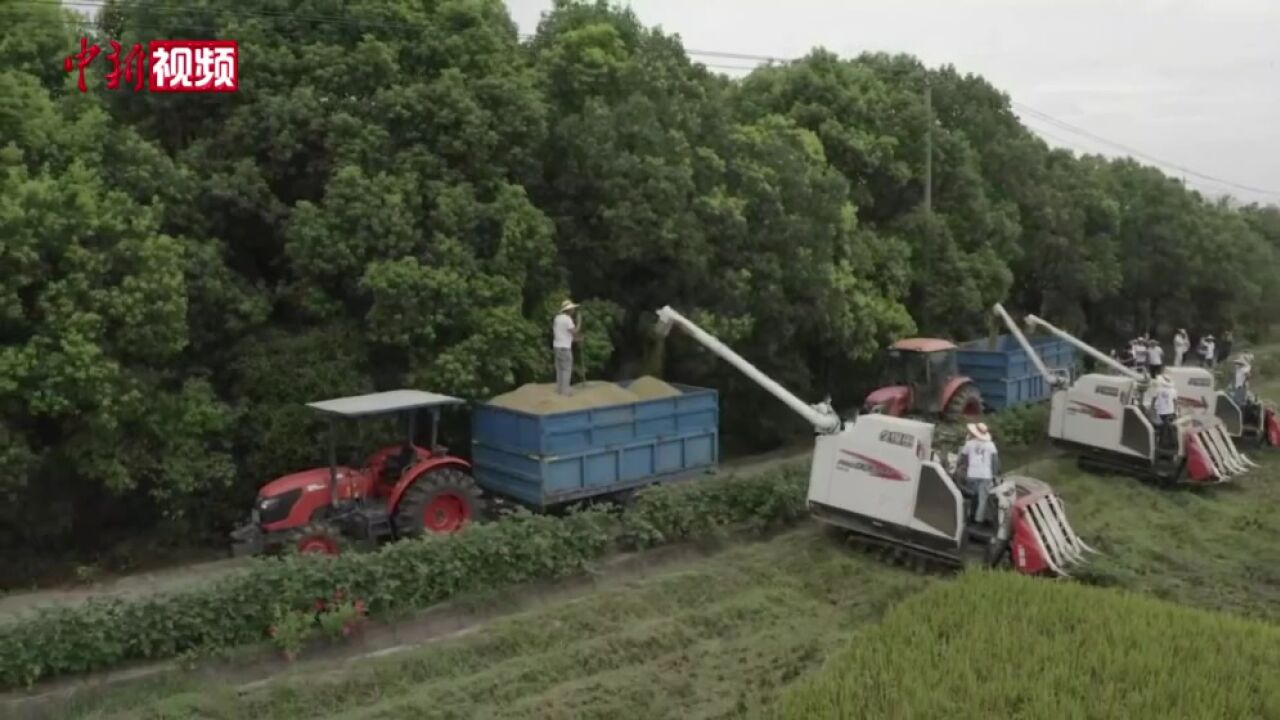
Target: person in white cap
[1240,382]
[1181,344]
[1155,357]
[1138,351]
[980,465]
[1165,403]
[563,333]
[1208,355]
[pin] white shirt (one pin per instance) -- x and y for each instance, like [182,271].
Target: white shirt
[1165,401]
[562,331]
[1139,354]
[1181,343]
[1207,349]
[980,454]
[1242,375]
[1155,354]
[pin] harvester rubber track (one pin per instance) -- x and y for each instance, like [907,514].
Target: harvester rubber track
[905,556]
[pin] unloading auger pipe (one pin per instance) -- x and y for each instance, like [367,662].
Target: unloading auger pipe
[1087,348]
[823,420]
[1053,380]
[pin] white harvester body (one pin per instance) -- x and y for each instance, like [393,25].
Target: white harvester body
[1106,418]
[1255,422]
[878,477]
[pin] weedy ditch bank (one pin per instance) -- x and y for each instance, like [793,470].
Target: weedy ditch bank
[398,579]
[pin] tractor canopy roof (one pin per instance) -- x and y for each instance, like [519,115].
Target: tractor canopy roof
[923,345]
[381,403]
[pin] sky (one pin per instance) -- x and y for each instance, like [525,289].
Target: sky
[1189,83]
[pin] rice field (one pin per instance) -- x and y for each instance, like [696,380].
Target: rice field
[1000,645]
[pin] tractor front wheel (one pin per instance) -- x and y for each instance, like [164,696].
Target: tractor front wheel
[965,403]
[316,538]
[439,502]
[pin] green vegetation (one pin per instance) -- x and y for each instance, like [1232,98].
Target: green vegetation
[754,619]
[404,576]
[1001,645]
[728,636]
[704,638]
[404,203]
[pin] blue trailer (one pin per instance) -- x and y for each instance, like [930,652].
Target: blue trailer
[545,460]
[1006,376]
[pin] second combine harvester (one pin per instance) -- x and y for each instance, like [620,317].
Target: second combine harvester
[1103,418]
[878,477]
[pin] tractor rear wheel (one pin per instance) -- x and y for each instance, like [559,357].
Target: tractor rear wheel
[439,502]
[965,403]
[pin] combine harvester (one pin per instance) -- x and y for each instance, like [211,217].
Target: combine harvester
[1103,417]
[1254,424]
[878,477]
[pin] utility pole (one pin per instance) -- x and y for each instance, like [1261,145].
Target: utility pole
[928,148]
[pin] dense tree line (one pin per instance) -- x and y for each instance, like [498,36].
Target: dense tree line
[402,192]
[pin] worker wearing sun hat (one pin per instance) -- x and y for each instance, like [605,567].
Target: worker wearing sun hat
[1165,403]
[1181,344]
[981,462]
[1240,380]
[563,333]
[1208,351]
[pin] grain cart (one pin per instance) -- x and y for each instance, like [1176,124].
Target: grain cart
[1103,418]
[1255,423]
[535,460]
[926,381]
[400,490]
[878,477]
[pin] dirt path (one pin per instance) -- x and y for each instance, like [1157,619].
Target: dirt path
[177,579]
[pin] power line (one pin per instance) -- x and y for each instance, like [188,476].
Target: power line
[348,21]
[1064,125]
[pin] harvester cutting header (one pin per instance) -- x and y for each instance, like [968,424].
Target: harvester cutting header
[878,477]
[1103,417]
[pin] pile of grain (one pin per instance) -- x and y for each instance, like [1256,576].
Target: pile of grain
[542,399]
[651,388]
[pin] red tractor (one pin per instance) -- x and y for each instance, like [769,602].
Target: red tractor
[926,382]
[401,490]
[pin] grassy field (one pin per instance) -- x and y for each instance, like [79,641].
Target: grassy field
[1004,646]
[724,637]
[728,636]
[715,638]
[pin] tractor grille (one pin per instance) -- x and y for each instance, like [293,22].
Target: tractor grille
[270,512]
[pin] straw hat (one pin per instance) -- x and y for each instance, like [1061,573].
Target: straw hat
[1163,380]
[979,431]
[567,305]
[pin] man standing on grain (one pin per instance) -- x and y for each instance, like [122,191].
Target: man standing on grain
[563,332]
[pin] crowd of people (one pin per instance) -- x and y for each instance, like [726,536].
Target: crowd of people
[1147,354]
